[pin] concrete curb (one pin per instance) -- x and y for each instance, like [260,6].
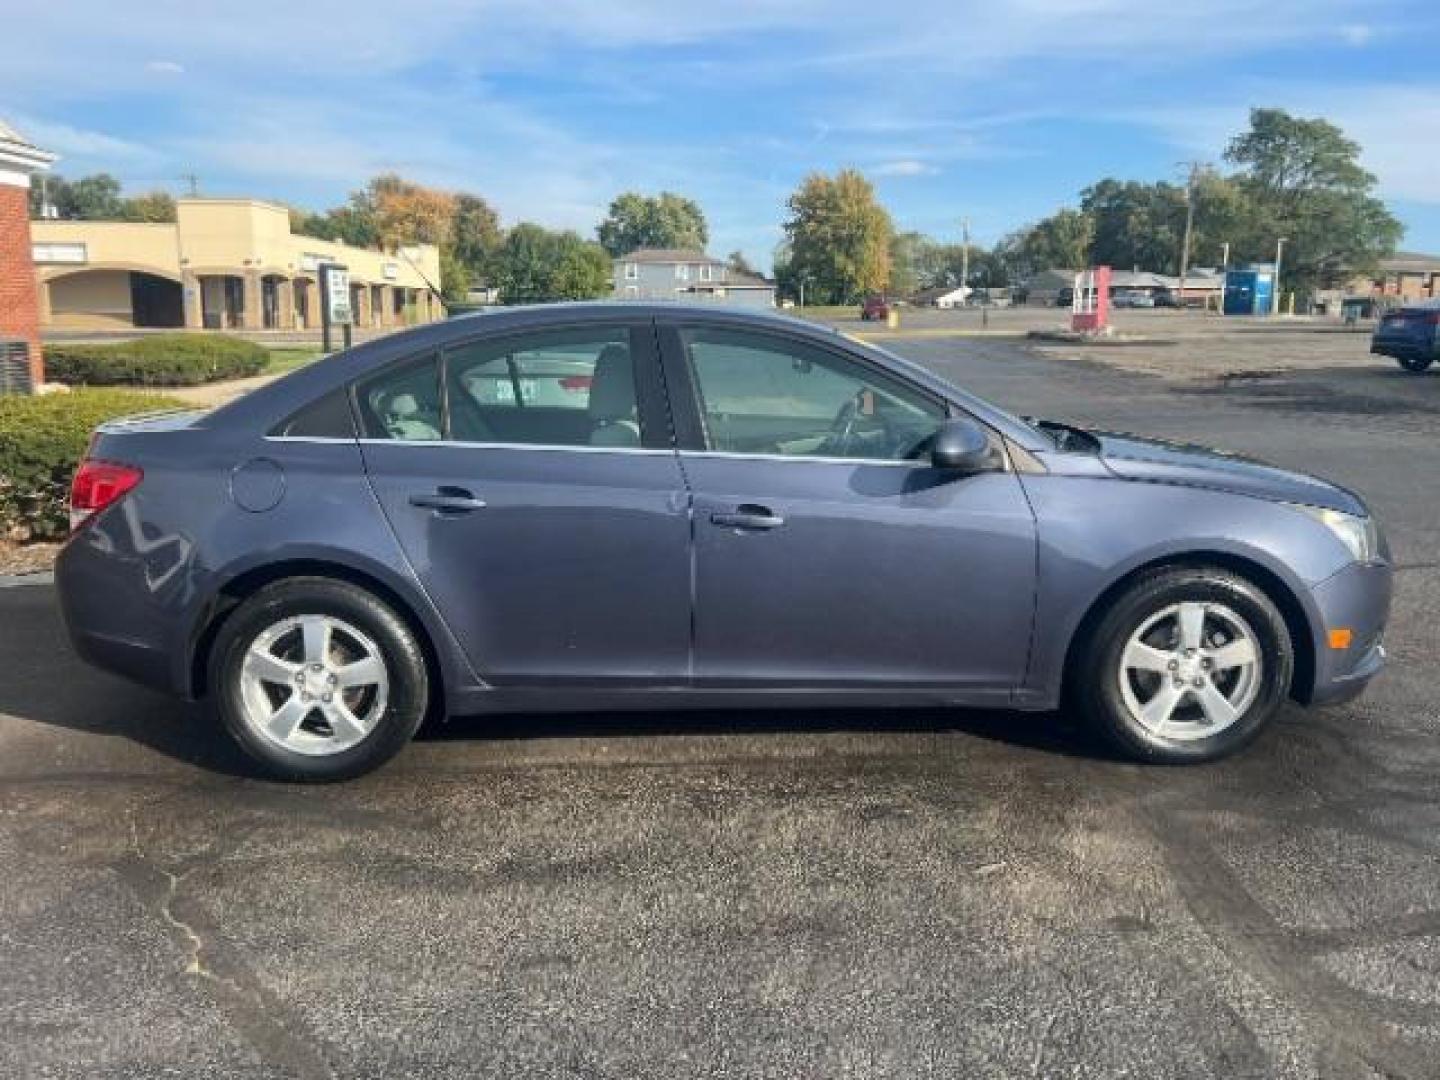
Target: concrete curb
[39,577]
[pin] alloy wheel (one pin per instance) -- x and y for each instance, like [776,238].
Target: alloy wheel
[1191,670]
[313,684]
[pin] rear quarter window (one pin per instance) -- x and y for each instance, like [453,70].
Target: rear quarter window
[328,417]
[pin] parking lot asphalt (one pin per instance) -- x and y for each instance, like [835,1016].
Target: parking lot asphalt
[809,894]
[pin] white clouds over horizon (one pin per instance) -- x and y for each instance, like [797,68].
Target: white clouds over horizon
[549,110]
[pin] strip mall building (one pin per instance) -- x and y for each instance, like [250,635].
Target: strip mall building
[224,264]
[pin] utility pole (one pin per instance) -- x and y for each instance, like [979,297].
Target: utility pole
[965,258]
[1279,254]
[192,182]
[1195,167]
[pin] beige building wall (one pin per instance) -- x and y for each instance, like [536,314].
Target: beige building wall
[102,294]
[213,240]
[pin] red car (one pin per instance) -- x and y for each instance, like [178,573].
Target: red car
[876,307]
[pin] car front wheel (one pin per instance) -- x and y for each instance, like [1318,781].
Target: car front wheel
[318,679]
[1187,665]
[1416,364]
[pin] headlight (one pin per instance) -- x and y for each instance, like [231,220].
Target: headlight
[1358,534]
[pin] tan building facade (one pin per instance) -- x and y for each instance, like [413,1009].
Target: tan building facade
[224,264]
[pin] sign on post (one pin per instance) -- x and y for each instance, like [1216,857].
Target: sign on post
[335,307]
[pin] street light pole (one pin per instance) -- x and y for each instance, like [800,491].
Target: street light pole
[1279,254]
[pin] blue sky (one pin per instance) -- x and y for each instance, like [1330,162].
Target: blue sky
[999,112]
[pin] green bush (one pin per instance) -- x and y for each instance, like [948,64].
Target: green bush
[161,360]
[42,440]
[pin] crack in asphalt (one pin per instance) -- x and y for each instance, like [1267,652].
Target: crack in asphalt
[250,1008]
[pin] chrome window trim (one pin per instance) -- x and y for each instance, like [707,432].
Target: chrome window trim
[348,440]
[814,459]
[547,447]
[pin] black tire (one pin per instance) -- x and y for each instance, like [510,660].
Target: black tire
[404,660]
[1416,364]
[1095,680]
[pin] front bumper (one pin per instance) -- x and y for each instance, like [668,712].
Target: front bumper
[1356,599]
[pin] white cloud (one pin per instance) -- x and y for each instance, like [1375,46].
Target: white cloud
[165,67]
[1357,34]
[904,167]
[85,144]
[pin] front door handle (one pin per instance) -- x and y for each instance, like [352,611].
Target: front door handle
[748,516]
[447,500]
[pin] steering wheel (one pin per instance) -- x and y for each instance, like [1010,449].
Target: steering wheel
[842,428]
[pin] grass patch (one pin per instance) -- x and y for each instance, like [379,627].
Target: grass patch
[285,360]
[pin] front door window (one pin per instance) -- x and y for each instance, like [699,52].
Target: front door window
[760,394]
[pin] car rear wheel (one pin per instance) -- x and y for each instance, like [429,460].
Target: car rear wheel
[1188,665]
[317,679]
[1417,364]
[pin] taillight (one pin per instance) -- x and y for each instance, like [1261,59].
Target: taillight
[1433,318]
[97,484]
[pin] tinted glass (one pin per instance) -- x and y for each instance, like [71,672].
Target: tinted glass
[327,418]
[403,403]
[764,395]
[557,388]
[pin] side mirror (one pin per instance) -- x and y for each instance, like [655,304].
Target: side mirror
[961,446]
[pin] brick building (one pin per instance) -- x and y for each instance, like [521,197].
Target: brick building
[19,303]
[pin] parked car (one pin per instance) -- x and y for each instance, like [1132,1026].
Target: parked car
[632,505]
[875,307]
[1410,334]
[1132,298]
[1167,298]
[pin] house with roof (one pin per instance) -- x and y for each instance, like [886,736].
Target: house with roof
[677,274]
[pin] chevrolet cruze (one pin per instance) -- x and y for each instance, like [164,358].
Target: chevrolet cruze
[627,506]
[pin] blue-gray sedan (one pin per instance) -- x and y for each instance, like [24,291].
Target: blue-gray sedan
[619,506]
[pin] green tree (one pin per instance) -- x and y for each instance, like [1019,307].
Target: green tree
[911,256]
[535,265]
[738,264]
[1306,184]
[153,206]
[641,221]
[838,238]
[582,270]
[1136,226]
[1061,241]
[454,275]
[91,198]
[477,234]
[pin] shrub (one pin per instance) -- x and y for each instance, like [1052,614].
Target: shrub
[42,440]
[161,360]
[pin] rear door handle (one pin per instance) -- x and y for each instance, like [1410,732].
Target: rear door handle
[748,516]
[447,500]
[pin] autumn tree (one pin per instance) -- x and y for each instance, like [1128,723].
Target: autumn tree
[406,212]
[838,238]
[637,221]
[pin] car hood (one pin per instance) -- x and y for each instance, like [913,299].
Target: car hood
[1134,458]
